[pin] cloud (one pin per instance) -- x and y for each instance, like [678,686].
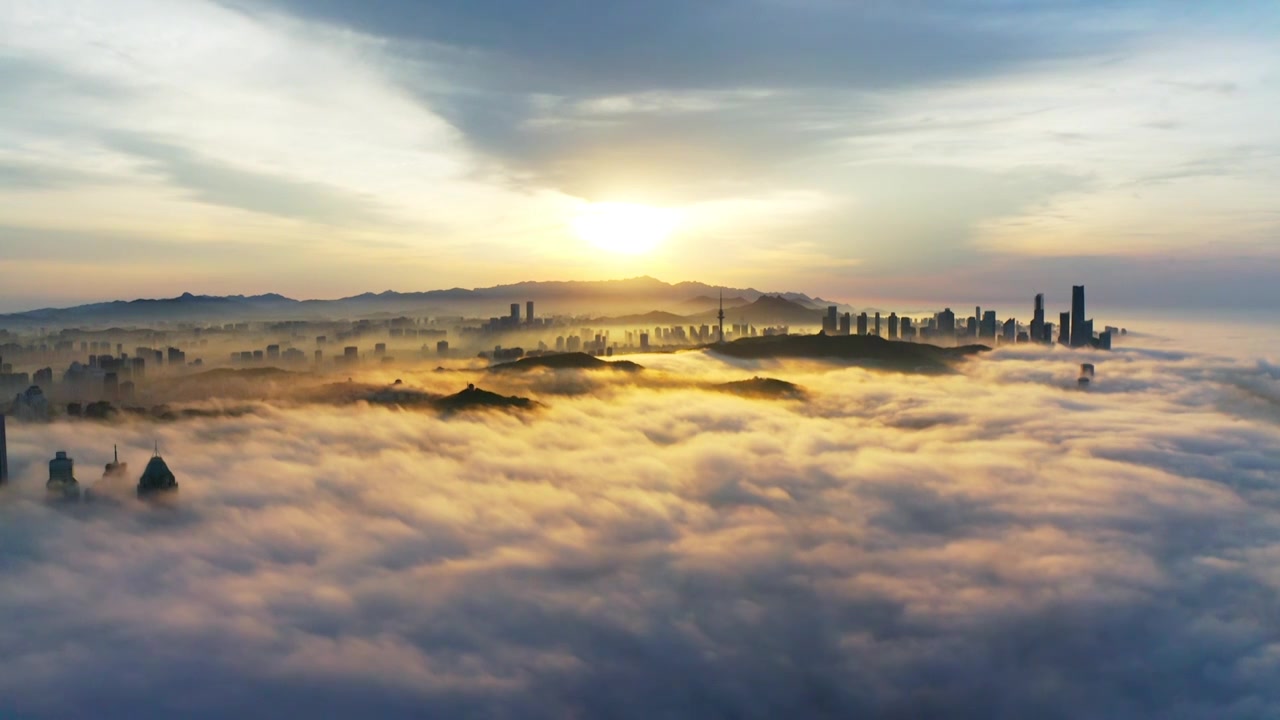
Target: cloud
[995,543]
[213,182]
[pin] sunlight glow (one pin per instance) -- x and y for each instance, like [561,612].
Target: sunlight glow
[624,227]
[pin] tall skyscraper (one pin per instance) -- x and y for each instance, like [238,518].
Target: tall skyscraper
[1064,328]
[987,328]
[829,322]
[528,312]
[877,330]
[515,312]
[1078,337]
[1037,320]
[862,323]
[845,323]
[4,453]
[946,321]
[893,326]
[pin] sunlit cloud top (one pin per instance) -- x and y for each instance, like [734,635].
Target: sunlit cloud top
[886,149]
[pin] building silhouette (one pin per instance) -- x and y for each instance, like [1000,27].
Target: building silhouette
[528,312]
[62,477]
[1064,328]
[156,478]
[115,467]
[893,326]
[1078,322]
[947,323]
[1037,320]
[515,313]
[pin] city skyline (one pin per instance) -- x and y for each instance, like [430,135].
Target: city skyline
[672,359]
[415,145]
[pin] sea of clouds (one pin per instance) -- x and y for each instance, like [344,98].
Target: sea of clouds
[997,543]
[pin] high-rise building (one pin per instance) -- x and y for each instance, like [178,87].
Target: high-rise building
[908,332]
[515,313]
[829,322]
[1037,319]
[987,328]
[862,323]
[1010,330]
[62,478]
[4,453]
[846,323]
[1078,337]
[156,478]
[528,312]
[893,326]
[947,323]
[273,352]
[877,328]
[644,342]
[1064,328]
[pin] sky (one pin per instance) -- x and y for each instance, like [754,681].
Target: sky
[993,543]
[861,151]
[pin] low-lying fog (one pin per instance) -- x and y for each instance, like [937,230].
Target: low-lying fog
[991,544]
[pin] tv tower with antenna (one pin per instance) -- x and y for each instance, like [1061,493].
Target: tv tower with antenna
[720,317]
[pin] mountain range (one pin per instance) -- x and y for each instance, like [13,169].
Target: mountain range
[633,295]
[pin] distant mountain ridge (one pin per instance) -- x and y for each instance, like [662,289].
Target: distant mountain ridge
[639,294]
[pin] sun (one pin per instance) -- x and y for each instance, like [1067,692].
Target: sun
[623,227]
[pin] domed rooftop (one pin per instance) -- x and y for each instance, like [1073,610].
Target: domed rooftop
[156,477]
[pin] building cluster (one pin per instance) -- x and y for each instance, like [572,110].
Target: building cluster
[156,479]
[513,321]
[1074,328]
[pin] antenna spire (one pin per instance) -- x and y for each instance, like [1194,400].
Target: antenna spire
[157,448]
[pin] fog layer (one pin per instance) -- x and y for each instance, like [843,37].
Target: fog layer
[994,543]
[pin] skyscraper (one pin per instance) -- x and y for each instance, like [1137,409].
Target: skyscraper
[947,324]
[1078,337]
[893,326]
[528,312]
[877,330]
[987,328]
[515,313]
[1064,328]
[862,323]
[829,322]
[1037,320]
